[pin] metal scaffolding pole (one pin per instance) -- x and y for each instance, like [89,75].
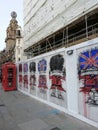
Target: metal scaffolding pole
[63,40]
[67,35]
[86,26]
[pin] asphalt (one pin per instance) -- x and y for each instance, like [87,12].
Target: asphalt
[21,112]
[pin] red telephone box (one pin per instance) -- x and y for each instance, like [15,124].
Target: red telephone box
[9,76]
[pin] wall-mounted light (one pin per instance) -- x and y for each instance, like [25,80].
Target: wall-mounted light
[70,52]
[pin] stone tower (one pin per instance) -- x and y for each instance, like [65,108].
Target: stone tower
[11,32]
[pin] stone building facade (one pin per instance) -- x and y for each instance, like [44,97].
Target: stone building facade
[13,35]
[11,32]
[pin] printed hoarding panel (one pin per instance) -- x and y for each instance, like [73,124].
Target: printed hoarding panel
[32,77]
[88,83]
[42,78]
[25,77]
[57,76]
[20,76]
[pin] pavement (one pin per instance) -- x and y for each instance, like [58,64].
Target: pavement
[21,112]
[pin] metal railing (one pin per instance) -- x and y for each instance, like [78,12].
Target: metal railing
[72,39]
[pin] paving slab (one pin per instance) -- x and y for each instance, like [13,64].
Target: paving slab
[36,124]
[21,112]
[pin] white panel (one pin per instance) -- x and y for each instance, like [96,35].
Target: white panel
[71,80]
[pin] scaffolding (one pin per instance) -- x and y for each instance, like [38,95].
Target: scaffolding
[83,29]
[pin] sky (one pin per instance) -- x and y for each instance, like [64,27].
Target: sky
[6,7]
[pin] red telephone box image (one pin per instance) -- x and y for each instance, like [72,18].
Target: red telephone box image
[9,76]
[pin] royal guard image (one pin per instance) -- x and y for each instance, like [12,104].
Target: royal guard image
[9,76]
[42,83]
[32,69]
[42,67]
[57,75]
[25,75]
[20,75]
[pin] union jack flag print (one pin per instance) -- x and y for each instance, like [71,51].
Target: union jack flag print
[88,70]
[88,59]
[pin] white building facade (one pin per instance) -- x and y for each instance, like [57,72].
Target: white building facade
[44,17]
